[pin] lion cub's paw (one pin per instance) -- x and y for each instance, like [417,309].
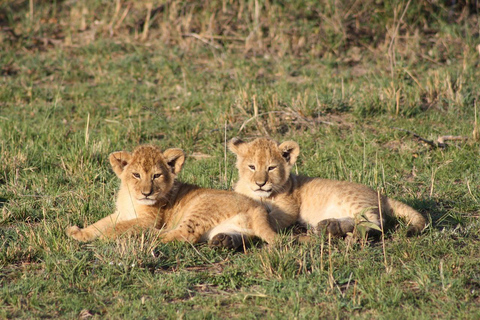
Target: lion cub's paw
[77,234]
[329,226]
[223,240]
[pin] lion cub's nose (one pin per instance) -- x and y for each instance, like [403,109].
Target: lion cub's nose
[147,193]
[260,183]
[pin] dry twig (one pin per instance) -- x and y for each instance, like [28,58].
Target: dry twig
[202,39]
[439,143]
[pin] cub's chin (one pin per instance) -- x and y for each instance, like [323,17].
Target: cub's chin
[146,202]
[262,193]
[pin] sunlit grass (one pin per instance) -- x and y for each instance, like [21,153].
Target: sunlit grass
[79,80]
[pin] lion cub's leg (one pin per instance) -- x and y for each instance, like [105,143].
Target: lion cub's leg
[366,217]
[138,224]
[254,222]
[95,230]
[190,229]
[228,233]
[109,227]
[261,225]
[180,234]
[193,233]
[335,227]
[228,240]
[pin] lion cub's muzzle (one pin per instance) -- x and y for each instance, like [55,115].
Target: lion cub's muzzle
[148,196]
[263,191]
[148,201]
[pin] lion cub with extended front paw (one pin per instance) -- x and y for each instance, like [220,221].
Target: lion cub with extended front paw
[327,205]
[150,197]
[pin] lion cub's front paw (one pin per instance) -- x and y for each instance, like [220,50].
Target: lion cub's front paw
[223,240]
[77,234]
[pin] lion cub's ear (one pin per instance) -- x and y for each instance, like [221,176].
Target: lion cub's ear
[175,158]
[289,151]
[119,160]
[237,146]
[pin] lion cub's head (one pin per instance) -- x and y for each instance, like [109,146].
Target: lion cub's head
[147,172]
[263,165]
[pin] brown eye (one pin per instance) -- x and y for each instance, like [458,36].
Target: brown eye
[271,168]
[136,175]
[252,167]
[157,175]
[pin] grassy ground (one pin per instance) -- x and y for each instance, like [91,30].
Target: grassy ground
[79,80]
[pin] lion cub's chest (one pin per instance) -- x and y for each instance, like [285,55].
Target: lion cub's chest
[285,203]
[269,204]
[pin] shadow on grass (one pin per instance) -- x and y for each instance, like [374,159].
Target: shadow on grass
[437,211]
[2,201]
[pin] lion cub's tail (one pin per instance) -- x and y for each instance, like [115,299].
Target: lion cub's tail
[416,222]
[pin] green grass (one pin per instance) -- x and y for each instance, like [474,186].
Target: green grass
[78,81]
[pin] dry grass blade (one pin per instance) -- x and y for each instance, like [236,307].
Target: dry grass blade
[146,25]
[202,39]
[439,143]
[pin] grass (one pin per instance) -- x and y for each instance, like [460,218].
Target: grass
[79,80]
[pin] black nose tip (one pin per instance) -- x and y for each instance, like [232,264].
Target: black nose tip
[260,184]
[146,194]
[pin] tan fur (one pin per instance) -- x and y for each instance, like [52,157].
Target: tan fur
[335,206]
[150,197]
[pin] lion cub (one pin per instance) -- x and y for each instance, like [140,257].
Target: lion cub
[150,197]
[333,206]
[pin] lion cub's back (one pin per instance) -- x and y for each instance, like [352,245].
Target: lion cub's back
[325,199]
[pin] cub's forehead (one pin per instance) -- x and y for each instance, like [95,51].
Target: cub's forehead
[264,149]
[147,157]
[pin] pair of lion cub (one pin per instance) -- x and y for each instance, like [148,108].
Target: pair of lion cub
[268,198]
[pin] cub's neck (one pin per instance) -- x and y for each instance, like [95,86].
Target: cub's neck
[286,189]
[166,208]
[176,194]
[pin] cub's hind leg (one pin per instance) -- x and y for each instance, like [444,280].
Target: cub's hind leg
[335,227]
[189,229]
[227,240]
[179,234]
[367,217]
[254,223]
[200,230]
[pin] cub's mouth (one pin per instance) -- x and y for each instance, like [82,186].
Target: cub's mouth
[263,193]
[147,201]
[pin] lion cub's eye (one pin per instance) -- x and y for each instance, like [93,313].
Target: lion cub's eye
[157,175]
[136,175]
[271,168]
[252,167]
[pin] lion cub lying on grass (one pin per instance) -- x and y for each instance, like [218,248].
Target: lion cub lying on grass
[150,196]
[333,206]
